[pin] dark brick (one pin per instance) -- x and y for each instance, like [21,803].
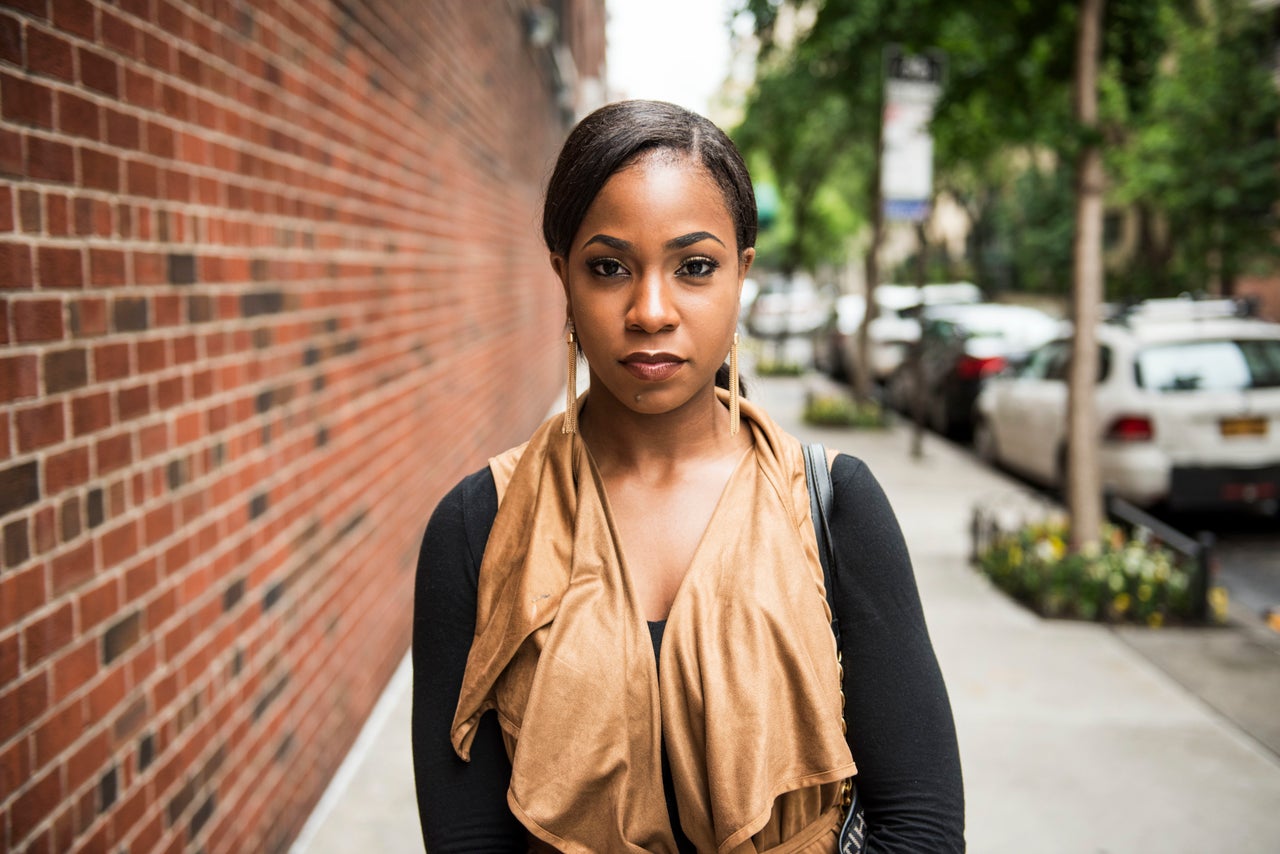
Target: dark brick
[70,517]
[176,473]
[262,302]
[199,309]
[322,437]
[180,801]
[258,505]
[270,696]
[273,595]
[129,314]
[259,269]
[146,751]
[311,355]
[262,402]
[108,787]
[94,508]
[182,268]
[65,370]
[16,547]
[233,594]
[201,817]
[19,486]
[123,634]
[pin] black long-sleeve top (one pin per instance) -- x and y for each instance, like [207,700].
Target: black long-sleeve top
[900,728]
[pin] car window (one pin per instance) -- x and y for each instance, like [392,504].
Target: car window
[1041,360]
[1053,362]
[1209,365]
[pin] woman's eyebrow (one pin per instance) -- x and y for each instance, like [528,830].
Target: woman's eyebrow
[691,238]
[611,242]
[680,242]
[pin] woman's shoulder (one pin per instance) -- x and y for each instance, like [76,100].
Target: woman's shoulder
[857,492]
[466,511]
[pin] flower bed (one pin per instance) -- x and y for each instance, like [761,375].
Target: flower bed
[841,410]
[1125,579]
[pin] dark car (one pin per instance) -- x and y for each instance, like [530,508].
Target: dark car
[959,347]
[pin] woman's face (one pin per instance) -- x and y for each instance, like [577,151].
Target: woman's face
[652,281]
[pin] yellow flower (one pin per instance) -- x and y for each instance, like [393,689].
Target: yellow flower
[1218,602]
[1121,603]
[1144,592]
[1155,620]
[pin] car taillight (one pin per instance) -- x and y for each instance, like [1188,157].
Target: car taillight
[975,368]
[1131,428]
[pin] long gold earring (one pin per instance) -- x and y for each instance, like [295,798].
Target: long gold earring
[570,424]
[733,386]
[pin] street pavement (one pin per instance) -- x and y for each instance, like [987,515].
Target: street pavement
[1075,737]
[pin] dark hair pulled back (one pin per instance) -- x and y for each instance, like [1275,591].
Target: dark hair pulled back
[614,137]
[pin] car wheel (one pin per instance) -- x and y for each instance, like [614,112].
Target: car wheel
[984,443]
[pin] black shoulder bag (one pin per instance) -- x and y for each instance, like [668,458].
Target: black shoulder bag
[853,833]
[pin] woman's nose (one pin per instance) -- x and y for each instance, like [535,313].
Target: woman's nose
[652,309]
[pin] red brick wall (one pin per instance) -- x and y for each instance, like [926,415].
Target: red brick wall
[270,282]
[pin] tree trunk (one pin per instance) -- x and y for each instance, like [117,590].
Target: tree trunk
[1084,489]
[862,377]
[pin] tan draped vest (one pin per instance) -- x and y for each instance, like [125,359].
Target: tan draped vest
[748,700]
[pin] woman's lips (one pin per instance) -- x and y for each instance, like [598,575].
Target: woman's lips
[652,367]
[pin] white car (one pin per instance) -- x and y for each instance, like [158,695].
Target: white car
[787,307]
[1188,409]
[894,328]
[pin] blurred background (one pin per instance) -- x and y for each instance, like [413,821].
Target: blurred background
[271,282]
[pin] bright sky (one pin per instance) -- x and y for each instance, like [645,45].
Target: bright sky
[669,50]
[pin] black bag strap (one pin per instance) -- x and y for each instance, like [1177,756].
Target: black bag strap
[821,499]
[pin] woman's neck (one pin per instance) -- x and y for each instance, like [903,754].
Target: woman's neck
[621,438]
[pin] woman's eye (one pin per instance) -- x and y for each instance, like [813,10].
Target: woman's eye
[699,268]
[606,267]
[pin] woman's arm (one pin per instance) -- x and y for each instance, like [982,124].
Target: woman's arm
[462,806]
[901,731]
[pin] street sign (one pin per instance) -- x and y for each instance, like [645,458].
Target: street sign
[913,83]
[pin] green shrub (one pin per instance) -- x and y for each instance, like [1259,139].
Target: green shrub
[778,368]
[841,410]
[1123,580]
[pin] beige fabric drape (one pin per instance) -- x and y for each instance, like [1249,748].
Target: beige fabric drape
[748,698]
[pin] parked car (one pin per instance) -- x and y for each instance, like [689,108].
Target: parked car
[1188,410]
[787,307]
[891,333]
[961,346]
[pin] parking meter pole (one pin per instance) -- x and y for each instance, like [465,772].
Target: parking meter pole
[1204,559]
[917,374]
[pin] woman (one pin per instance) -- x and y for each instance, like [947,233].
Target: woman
[636,592]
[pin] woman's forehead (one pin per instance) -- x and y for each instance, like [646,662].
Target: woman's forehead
[665,184]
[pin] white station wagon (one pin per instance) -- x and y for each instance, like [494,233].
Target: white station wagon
[1188,405]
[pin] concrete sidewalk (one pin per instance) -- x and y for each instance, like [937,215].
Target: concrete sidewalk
[1071,740]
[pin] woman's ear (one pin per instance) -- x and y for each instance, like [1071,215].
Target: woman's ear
[561,266]
[744,264]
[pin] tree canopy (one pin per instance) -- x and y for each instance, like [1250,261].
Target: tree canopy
[1188,125]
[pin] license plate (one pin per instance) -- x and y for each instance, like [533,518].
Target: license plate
[1243,426]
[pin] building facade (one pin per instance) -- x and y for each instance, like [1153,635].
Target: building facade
[271,281]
